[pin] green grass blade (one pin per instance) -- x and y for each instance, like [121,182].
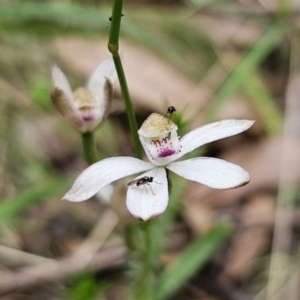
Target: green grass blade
[47,14]
[190,260]
[264,103]
[179,36]
[248,63]
[12,206]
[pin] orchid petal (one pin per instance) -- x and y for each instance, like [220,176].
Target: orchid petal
[105,194]
[59,80]
[209,133]
[66,108]
[102,173]
[149,200]
[213,172]
[62,99]
[105,71]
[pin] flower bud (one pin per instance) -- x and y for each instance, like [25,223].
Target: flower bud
[87,107]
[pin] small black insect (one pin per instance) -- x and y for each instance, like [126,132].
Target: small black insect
[143,181]
[170,111]
[110,18]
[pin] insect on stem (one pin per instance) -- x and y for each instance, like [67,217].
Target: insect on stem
[110,18]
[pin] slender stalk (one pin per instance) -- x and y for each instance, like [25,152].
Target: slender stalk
[145,278]
[89,147]
[129,107]
[113,47]
[113,43]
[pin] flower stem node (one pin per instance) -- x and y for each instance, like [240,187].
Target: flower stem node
[163,147]
[86,108]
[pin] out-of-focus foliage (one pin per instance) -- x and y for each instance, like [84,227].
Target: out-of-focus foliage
[229,59]
[86,287]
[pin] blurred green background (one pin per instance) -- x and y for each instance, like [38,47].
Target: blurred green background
[210,59]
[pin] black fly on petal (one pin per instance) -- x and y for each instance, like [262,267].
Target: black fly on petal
[143,181]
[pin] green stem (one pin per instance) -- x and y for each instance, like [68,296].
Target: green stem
[113,43]
[145,279]
[89,147]
[113,47]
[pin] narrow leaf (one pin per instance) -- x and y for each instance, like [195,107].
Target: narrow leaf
[11,206]
[190,260]
[264,103]
[247,64]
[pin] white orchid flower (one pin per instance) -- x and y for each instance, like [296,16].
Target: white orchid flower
[87,107]
[148,197]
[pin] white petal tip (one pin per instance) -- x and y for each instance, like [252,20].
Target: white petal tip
[54,67]
[72,198]
[105,71]
[249,123]
[146,219]
[244,124]
[55,72]
[242,184]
